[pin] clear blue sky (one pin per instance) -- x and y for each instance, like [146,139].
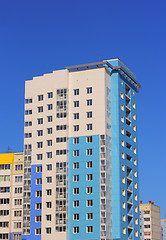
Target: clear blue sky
[37,37]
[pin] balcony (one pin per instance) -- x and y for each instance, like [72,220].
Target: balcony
[130,200]
[130,188]
[129,176]
[130,212]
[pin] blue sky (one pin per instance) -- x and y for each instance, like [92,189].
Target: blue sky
[37,37]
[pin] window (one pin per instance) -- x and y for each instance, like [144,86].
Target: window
[89,177]
[49,142]
[38,193]
[27,124]
[134,139]
[134,116]
[28,135]
[49,154]
[135,162]
[40,97]
[89,90]
[89,164]
[76,203]
[39,156]
[135,185]
[49,204]
[89,139]
[122,95]
[38,206]
[136,209]
[28,112]
[135,197]
[49,167]
[122,131]
[18,178]
[136,221]
[89,102]
[76,115]
[37,231]
[134,128]
[123,180]
[124,218]
[40,120]
[49,118]
[122,107]
[136,233]
[89,229]
[76,216]
[124,205]
[89,203]
[135,151]
[50,106]
[76,191]
[76,128]
[76,103]
[89,151]
[75,165]
[89,114]
[48,230]
[40,109]
[76,91]
[19,167]
[38,181]
[48,217]
[17,202]
[18,190]
[75,153]
[75,178]
[124,230]
[28,100]
[39,133]
[123,167]
[76,140]
[49,130]
[50,94]
[39,144]
[37,218]
[39,169]
[122,119]
[123,155]
[49,179]
[17,225]
[89,126]
[89,190]
[61,127]
[122,143]
[123,192]
[61,152]
[75,230]
[89,216]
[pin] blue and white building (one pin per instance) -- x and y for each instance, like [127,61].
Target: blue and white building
[81,154]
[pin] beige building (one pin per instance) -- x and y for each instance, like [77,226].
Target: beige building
[11,195]
[150,222]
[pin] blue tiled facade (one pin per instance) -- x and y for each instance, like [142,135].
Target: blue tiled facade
[34,212]
[82,223]
[118,84]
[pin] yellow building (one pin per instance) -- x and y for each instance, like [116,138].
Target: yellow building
[11,195]
[150,221]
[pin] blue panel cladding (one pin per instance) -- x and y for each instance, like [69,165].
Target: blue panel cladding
[34,200]
[82,223]
[118,85]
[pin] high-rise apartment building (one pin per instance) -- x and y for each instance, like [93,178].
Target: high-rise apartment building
[11,195]
[150,222]
[81,154]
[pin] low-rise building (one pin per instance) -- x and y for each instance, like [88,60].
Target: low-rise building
[150,223]
[11,195]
